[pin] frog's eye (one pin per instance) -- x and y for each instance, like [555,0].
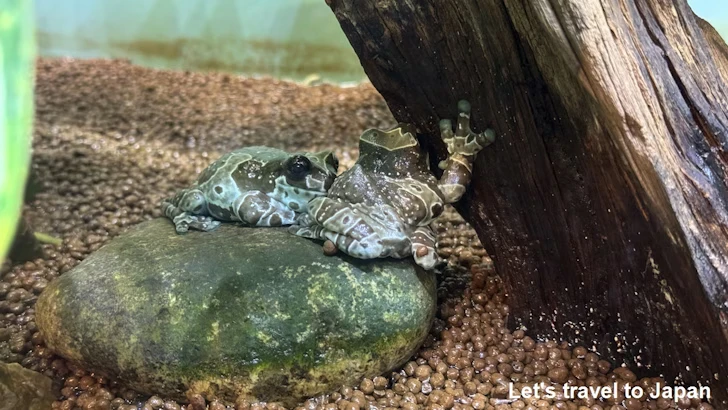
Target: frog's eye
[298,167]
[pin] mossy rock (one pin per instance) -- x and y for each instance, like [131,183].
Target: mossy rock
[254,313]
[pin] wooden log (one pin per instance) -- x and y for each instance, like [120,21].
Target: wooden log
[604,199]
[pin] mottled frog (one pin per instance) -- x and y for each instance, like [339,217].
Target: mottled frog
[259,186]
[384,204]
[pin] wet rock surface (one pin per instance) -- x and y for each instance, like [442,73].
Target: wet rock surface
[104,158]
[23,389]
[251,313]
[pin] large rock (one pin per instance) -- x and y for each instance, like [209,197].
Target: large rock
[23,389]
[237,312]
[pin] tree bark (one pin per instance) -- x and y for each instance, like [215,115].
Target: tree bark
[604,199]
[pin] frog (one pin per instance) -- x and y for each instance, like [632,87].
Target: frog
[384,204]
[257,186]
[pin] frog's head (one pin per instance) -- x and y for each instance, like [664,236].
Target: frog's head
[306,176]
[398,138]
[393,151]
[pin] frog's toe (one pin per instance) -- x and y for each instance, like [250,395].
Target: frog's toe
[184,222]
[427,257]
[463,125]
[304,231]
[306,226]
[423,247]
[474,143]
[329,248]
[181,227]
[464,106]
[305,220]
[204,224]
[485,138]
[446,130]
[464,141]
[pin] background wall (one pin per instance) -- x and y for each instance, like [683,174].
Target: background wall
[282,38]
[715,11]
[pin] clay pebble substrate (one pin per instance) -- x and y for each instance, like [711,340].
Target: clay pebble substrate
[112,139]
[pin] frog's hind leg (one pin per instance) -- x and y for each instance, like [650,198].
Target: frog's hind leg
[361,233]
[462,147]
[186,211]
[367,248]
[423,248]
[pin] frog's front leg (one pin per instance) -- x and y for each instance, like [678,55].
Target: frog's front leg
[258,209]
[423,247]
[187,210]
[357,230]
[462,147]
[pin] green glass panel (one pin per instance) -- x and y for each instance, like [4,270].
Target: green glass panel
[17,53]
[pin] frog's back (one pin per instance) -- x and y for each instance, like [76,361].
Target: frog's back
[242,170]
[260,154]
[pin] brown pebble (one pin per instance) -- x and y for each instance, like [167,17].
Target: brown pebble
[86,382]
[400,388]
[452,373]
[242,404]
[414,385]
[558,375]
[366,386]
[423,372]
[216,405]
[623,372]
[103,404]
[346,392]
[197,402]
[155,402]
[380,383]
[632,404]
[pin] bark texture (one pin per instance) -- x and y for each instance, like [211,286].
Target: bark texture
[604,199]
